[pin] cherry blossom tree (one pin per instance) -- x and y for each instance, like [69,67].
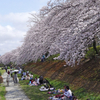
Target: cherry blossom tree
[77,23]
[5,59]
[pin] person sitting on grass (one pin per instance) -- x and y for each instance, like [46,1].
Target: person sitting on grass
[27,77]
[20,71]
[24,73]
[38,82]
[27,73]
[31,77]
[41,79]
[36,79]
[32,83]
[23,78]
[67,93]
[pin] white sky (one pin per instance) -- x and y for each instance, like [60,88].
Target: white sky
[14,15]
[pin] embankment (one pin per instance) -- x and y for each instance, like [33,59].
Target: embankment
[86,75]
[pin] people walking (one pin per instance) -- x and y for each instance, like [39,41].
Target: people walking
[15,77]
[7,79]
[6,69]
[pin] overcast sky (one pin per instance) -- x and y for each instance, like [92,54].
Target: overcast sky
[14,15]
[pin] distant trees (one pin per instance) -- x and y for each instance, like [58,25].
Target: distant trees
[67,27]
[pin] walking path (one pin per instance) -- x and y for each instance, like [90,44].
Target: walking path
[14,92]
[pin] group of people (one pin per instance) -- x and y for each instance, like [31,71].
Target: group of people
[65,94]
[27,76]
[34,82]
[13,74]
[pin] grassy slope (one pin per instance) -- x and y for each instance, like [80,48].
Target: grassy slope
[86,75]
[2,89]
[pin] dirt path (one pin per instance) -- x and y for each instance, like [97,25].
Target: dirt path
[14,92]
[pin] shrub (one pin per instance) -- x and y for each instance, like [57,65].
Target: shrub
[8,67]
[51,57]
[1,79]
[91,52]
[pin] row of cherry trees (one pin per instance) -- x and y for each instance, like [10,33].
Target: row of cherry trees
[67,27]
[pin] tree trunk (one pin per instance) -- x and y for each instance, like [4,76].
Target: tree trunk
[94,46]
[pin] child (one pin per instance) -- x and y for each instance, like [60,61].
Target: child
[75,98]
[7,80]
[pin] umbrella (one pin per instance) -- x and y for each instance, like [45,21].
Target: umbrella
[15,71]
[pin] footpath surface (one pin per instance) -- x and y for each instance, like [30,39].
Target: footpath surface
[14,92]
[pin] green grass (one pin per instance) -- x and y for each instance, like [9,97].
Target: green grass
[2,88]
[2,92]
[34,94]
[50,58]
[91,52]
[2,71]
[33,91]
[83,94]
[32,65]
